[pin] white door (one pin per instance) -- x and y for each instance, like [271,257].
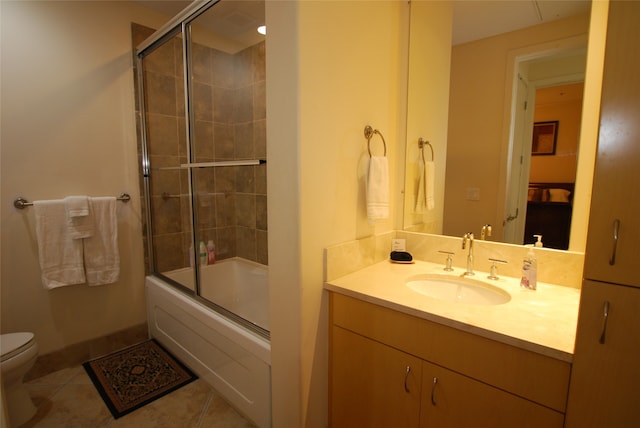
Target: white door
[519,163]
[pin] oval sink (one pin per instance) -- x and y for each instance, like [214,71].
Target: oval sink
[458,289]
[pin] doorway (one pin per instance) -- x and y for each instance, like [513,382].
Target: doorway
[548,88]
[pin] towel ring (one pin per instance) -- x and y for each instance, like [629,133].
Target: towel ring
[421,143]
[368,134]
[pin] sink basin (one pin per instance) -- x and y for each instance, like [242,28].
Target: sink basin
[458,289]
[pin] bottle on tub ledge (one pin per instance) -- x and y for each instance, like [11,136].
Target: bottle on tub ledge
[203,254]
[211,252]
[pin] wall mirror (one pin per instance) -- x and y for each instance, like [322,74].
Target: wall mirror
[502,81]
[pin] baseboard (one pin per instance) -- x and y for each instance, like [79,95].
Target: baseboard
[78,353]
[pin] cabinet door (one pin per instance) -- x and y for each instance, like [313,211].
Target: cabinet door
[453,400]
[615,206]
[605,379]
[371,384]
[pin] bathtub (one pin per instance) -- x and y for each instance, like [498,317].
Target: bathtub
[231,358]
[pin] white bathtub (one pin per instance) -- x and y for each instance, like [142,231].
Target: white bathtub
[234,360]
[236,284]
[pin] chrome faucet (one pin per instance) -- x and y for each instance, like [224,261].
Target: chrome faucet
[485,231]
[468,237]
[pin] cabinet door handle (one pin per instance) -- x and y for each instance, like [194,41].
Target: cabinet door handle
[605,318]
[406,377]
[433,391]
[616,228]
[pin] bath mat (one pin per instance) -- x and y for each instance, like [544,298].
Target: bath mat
[135,376]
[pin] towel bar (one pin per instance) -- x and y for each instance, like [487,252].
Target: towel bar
[368,133]
[21,203]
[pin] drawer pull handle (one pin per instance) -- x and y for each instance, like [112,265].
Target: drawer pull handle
[605,318]
[433,391]
[616,228]
[406,377]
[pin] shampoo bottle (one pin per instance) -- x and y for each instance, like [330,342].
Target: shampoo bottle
[203,254]
[529,271]
[211,252]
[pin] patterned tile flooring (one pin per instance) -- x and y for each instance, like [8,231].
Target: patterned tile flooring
[67,398]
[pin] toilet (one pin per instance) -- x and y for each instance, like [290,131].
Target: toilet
[19,352]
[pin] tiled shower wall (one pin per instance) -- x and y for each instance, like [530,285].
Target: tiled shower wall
[230,124]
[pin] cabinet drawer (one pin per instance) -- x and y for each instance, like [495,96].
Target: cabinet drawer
[536,377]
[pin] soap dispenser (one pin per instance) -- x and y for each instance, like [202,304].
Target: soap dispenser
[529,271]
[538,243]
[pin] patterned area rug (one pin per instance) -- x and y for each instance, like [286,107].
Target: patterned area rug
[133,377]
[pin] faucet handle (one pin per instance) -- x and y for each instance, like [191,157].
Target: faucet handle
[447,267]
[494,267]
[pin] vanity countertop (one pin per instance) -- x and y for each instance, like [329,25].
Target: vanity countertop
[543,321]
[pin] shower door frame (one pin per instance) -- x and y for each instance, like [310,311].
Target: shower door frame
[179,25]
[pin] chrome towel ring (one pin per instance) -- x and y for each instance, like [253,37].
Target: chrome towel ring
[368,134]
[421,143]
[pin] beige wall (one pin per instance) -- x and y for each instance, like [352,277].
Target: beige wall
[332,67]
[564,104]
[68,127]
[477,129]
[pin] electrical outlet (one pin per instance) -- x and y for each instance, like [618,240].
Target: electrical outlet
[473,194]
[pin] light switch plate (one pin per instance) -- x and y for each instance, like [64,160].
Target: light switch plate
[473,194]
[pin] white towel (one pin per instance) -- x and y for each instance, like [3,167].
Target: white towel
[79,220]
[60,256]
[101,257]
[425,197]
[77,206]
[378,188]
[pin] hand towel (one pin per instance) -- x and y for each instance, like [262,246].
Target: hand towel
[77,206]
[377,188]
[60,256]
[430,175]
[425,196]
[101,257]
[79,221]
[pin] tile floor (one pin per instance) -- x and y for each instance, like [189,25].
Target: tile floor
[67,398]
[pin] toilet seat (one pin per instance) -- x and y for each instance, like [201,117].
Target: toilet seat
[12,344]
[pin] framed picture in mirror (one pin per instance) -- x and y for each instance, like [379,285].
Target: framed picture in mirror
[545,136]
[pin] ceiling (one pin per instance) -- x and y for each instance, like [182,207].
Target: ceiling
[473,19]
[477,19]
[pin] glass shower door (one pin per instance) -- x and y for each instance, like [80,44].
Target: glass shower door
[205,168]
[228,151]
[166,149]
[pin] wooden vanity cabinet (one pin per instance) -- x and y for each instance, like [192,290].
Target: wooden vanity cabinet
[615,206]
[373,384]
[453,400]
[605,383]
[382,366]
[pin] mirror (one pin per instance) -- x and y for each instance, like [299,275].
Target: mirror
[480,176]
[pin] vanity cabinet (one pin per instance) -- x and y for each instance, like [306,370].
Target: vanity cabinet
[606,366]
[453,400]
[388,368]
[606,370]
[613,242]
[374,384]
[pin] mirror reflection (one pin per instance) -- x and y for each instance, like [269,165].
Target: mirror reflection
[500,86]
